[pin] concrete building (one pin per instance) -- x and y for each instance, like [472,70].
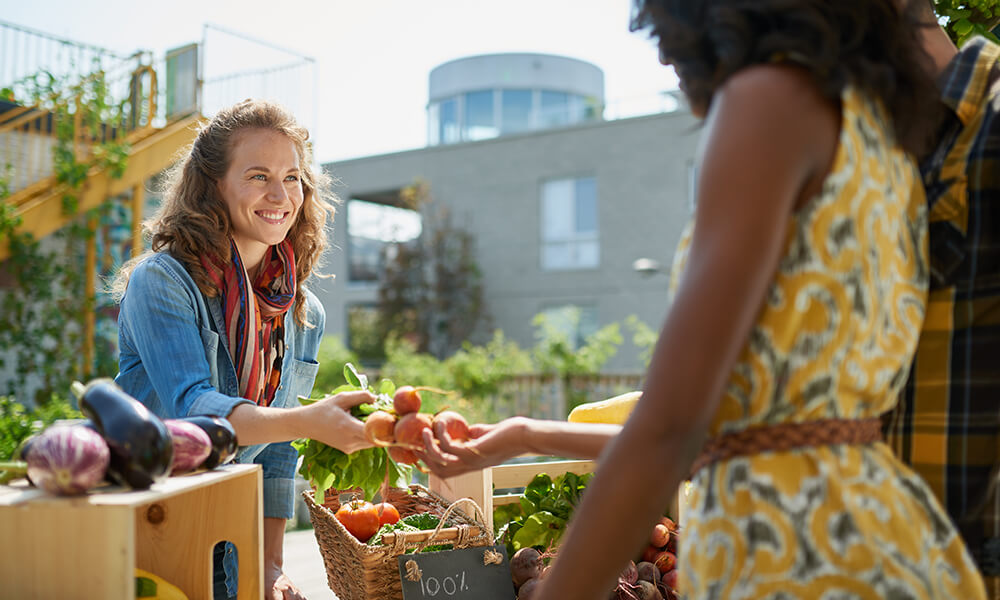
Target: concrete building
[560,205]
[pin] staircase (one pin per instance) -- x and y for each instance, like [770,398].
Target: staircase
[28,143]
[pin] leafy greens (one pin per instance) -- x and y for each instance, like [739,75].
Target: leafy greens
[326,467]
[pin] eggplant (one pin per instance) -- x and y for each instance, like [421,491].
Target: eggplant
[67,459]
[223,436]
[191,445]
[141,447]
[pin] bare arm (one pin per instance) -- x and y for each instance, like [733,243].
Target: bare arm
[327,420]
[768,136]
[493,444]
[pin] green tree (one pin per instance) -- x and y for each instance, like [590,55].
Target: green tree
[963,20]
[431,291]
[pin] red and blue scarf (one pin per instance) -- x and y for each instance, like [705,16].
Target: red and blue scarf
[255,323]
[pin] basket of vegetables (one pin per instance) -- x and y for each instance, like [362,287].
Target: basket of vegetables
[359,541]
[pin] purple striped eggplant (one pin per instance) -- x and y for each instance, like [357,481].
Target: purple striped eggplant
[67,459]
[223,436]
[191,445]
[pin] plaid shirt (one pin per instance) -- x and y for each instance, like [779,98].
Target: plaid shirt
[947,423]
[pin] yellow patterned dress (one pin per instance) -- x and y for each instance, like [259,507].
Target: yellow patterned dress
[834,339]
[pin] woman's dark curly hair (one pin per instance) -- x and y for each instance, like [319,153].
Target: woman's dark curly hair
[870,44]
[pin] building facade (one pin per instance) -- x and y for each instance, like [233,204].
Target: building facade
[559,215]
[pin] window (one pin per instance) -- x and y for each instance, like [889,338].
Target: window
[554,109]
[570,232]
[370,228]
[448,129]
[576,322]
[516,110]
[479,119]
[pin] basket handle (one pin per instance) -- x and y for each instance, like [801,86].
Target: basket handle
[478,515]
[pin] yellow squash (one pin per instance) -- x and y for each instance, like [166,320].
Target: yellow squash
[613,410]
[148,585]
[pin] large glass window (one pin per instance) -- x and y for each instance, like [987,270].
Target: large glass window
[554,109]
[516,110]
[449,131]
[480,121]
[570,229]
[370,227]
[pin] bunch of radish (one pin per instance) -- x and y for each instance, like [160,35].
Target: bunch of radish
[658,563]
[401,429]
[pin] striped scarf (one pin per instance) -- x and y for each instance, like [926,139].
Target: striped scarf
[255,323]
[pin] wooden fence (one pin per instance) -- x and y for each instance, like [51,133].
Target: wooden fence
[553,396]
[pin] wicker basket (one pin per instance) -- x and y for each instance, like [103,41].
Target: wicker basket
[357,571]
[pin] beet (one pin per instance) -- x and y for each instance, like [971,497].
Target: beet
[67,459]
[223,436]
[647,591]
[191,445]
[648,572]
[527,589]
[524,565]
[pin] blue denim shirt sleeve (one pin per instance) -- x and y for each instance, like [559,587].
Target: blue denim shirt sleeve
[159,300]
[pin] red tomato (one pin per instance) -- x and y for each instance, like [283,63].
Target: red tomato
[359,518]
[387,513]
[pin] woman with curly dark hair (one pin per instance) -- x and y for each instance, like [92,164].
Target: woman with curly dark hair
[217,319]
[800,295]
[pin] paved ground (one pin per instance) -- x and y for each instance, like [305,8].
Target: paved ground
[304,565]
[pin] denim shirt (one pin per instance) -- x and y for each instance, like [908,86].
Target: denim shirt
[174,358]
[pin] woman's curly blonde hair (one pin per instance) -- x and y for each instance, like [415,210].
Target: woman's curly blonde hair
[193,220]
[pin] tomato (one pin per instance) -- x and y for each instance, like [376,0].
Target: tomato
[387,513]
[359,518]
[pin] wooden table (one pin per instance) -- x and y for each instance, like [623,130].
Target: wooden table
[88,546]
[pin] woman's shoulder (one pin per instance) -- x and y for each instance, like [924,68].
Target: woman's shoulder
[160,267]
[779,88]
[315,311]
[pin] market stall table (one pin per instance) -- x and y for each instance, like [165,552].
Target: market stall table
[90,545]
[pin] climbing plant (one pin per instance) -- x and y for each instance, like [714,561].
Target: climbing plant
[46,304]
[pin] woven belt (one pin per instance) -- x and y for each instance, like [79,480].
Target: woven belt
[788,436]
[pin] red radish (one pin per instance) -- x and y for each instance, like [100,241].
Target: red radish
[379,427]
[660,536]
[67,459]
[406,400]
[665,561]
[649,554]
[409,430]
[453,423]
[402,455]
[191,445]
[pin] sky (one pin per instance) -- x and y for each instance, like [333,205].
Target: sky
[370,58]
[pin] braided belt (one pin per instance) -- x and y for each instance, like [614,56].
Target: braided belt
[788,436]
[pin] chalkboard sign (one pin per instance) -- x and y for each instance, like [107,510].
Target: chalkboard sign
[480,573]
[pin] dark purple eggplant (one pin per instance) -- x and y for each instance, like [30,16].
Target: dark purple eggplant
[223,437]
[141,447]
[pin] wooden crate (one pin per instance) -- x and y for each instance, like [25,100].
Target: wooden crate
[480,485]
[90,545]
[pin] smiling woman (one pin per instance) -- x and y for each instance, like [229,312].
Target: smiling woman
[216,319]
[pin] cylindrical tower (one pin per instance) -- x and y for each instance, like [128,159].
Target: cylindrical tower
[481,97]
